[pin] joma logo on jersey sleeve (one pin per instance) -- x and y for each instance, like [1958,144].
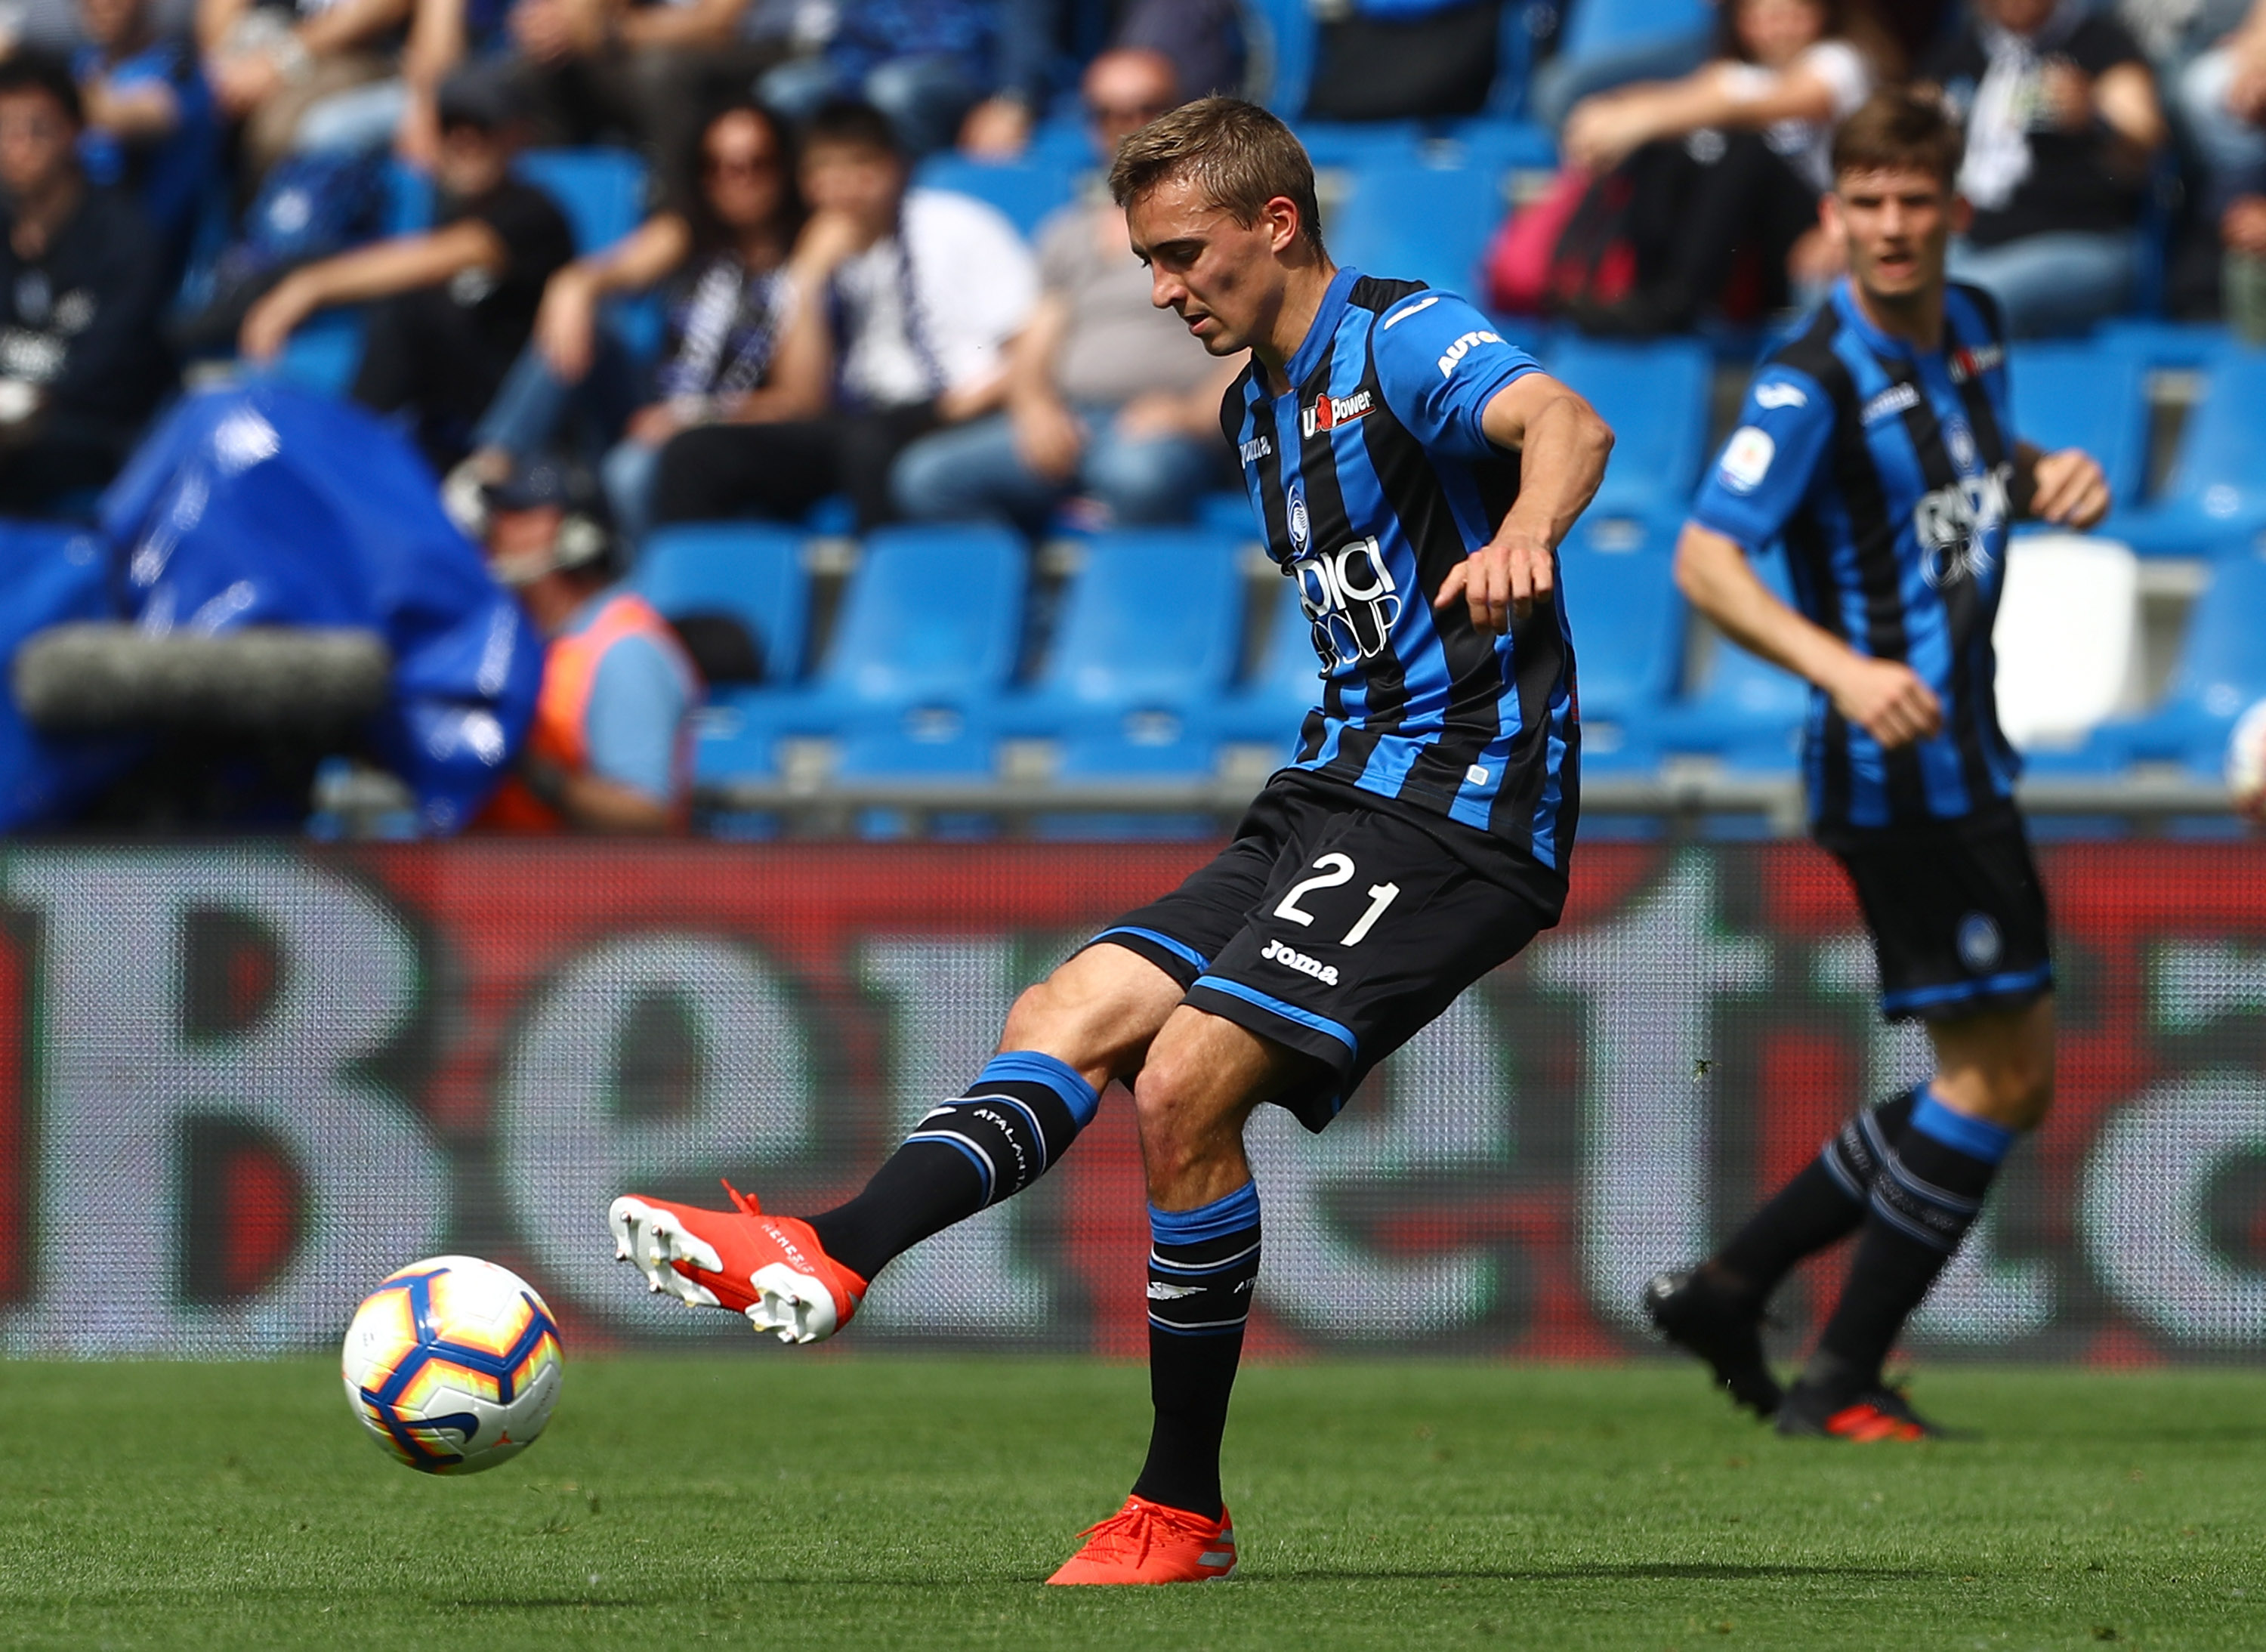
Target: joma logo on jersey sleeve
[1329,411]
[1350,596]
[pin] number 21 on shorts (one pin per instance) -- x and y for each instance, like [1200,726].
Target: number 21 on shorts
[1331,871]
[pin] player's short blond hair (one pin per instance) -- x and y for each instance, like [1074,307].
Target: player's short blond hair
[1241,156]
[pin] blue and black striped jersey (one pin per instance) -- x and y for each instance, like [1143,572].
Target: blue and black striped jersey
[1889,473]
[1372,479]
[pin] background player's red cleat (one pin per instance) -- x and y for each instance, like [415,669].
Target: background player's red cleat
[1146,1542]
[772,1269]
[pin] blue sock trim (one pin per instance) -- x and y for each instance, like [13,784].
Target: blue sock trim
[1237,1212]
[1978,1138]
[1028,1066]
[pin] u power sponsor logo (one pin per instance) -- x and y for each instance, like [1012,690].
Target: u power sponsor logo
[1277,952]
[1329,411]
[1954,524]
[1352,599]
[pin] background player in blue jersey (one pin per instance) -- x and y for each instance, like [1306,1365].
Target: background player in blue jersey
[1414,474]
[1876,447]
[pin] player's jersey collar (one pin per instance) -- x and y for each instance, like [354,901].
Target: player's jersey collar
[1331,311]
[1854,317]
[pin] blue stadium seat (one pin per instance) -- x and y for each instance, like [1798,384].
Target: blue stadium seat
[1026,190]
[1603,25]
[1749,712]
[1283,35]
[1415,223]
[932,619]
[2086,396]
[1285,684]
[2221,671]
[1148,636]
[2217,491]
[751,570]
[409,199]
[1620,597]
[1164,749]
[1655,398]
[753,573]
[602,191]
[323,354]
[1355,144]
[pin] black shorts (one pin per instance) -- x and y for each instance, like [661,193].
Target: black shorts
[1957,914]
[1339,923]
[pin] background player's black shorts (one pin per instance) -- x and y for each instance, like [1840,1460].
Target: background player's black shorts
[1957,914]
[1339,924]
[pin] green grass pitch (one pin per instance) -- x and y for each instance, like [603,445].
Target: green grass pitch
[779,1502]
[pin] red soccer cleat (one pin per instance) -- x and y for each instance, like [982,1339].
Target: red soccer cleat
[772,1269]
[1146,1542]
[1871,1417]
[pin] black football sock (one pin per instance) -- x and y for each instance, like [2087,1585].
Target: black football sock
[1203,1264]
[1823,1203]
[1017,1118]
[1927,1194]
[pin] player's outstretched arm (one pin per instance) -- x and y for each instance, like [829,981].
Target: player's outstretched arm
[1562,447]
[2068,489]
[1884,698]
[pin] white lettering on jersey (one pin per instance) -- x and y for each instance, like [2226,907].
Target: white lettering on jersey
[1747,458]
[1954,524]
[1255,449]
[1895,399]
[1291,958]
[1350,596]
[1779,393]
[1329,411]
[1463,348]
[1400,316]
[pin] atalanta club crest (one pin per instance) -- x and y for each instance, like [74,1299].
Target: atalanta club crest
[1300,531]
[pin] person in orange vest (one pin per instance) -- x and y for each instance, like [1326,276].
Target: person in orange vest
[610,747]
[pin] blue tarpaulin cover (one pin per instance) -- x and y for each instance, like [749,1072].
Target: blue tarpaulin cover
[260,505]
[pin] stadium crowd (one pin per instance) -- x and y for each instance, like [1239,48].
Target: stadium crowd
[807,322]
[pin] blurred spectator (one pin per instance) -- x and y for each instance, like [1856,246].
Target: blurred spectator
[610,749]
[2176,33]
[1398,59]
[639,72]
[2061,121]
[81,282]
[1204,38]
[923,290]
[1731,157]
[149,121]
[277,66]
[452,307]
[1107,395]
[1566,78]
[728,349]
[931,66]
[2222,99]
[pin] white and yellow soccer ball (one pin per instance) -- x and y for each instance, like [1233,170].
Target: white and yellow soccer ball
[2246,762]
[453,1364]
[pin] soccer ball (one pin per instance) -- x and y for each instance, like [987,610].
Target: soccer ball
[453,1364]
[2245,760]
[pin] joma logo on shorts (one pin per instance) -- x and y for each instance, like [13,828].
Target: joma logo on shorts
[1326,974]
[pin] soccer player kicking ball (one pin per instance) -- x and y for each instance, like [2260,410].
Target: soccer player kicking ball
[1876,445]
[1414,474]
